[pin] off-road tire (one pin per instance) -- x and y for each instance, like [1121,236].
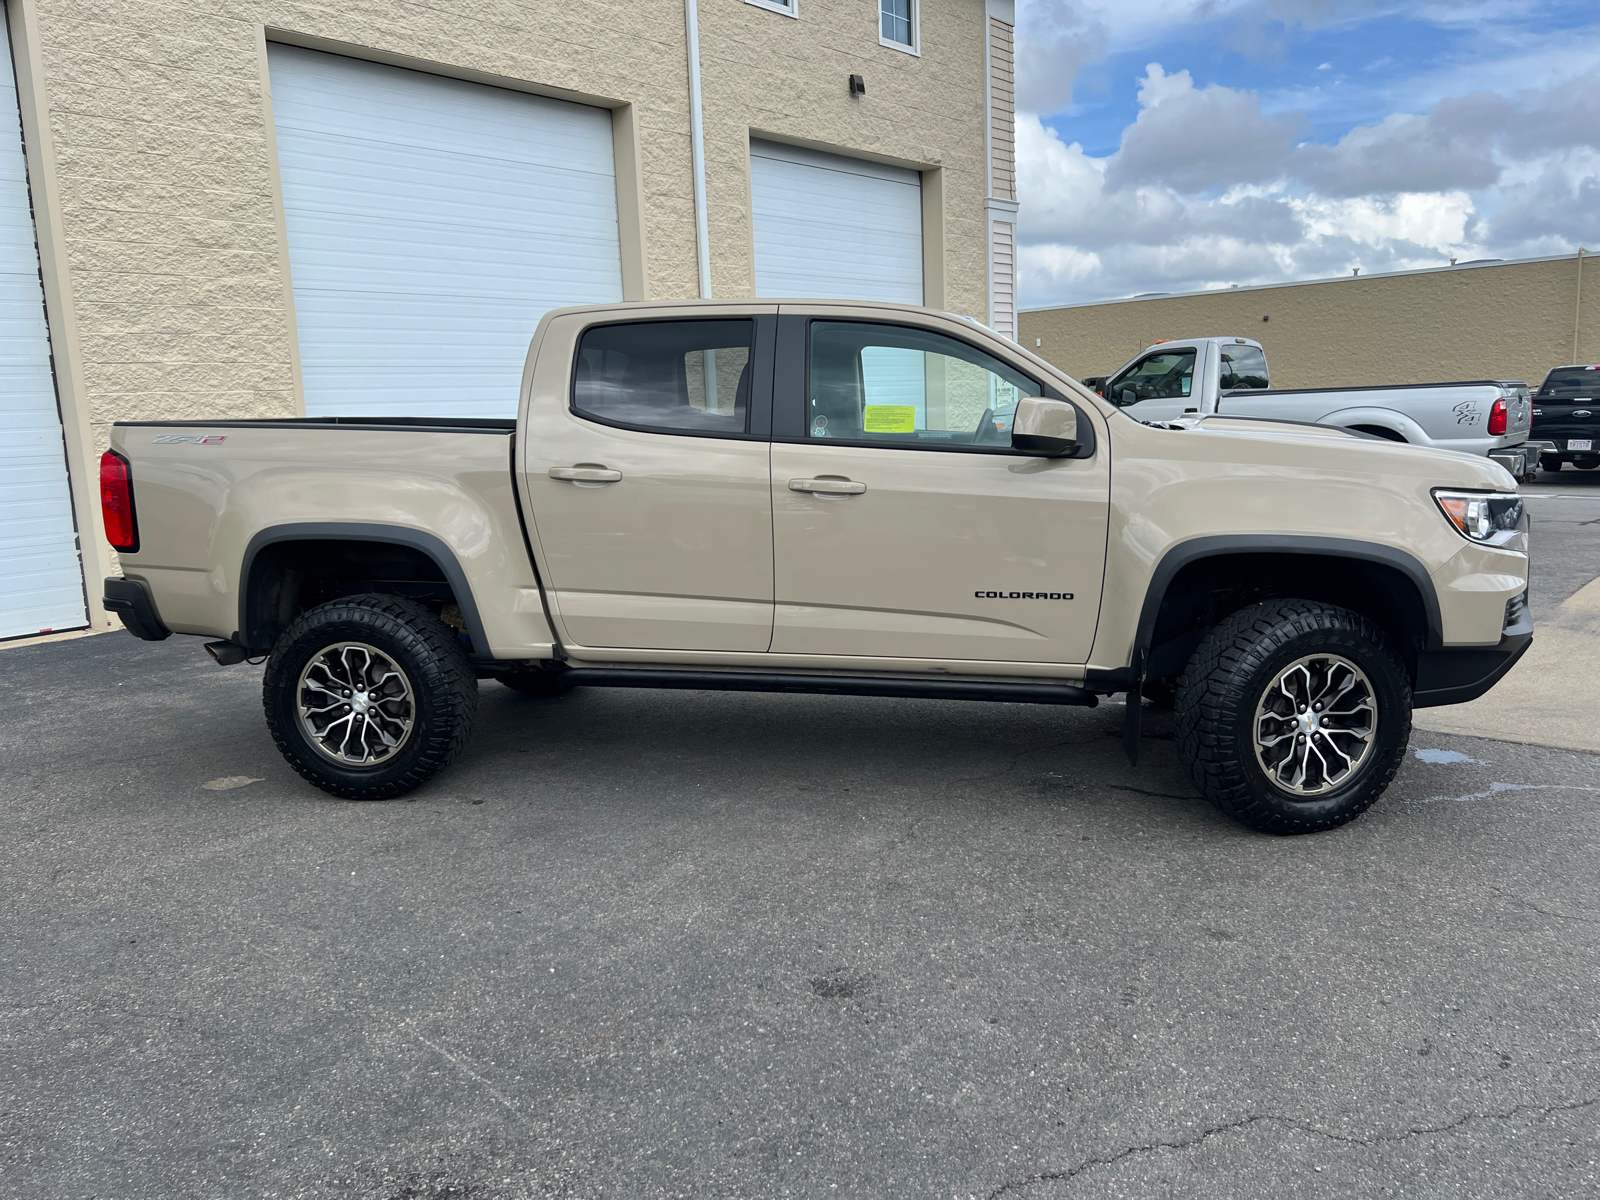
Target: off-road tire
[542,684]
[1224,682]
[445,692]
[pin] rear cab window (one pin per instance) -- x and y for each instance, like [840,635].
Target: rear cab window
[1571,383]
[1244,367]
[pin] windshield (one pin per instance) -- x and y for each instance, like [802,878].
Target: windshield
[1571,381]
[1161,376]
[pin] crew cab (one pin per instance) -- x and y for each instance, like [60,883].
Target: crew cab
[1175,379]
[828,497]
[1566,417]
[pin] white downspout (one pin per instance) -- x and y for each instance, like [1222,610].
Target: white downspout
[697,143]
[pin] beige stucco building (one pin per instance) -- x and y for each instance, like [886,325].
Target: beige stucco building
[1492,320]
[268,208]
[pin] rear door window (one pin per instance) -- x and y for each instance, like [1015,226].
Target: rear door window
[1164,376]
[667,376]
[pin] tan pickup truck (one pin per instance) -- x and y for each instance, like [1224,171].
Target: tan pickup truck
[843,498]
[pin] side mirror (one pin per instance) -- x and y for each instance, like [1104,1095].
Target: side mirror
[1047,428]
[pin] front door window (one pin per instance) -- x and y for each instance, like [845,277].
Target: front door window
[888,385]
[1165,376]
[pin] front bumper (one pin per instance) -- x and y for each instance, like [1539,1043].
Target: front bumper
[1456,676]
[130,599]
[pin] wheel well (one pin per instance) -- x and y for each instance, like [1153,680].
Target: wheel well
[1204,592]
[287,578]
[1378,431]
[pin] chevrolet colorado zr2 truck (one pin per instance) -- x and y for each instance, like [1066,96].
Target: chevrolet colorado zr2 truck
[844,498]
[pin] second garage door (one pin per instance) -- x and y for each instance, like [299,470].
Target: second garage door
[431,223]
[835,227]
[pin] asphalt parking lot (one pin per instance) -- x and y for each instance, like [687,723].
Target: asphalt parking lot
[656,944]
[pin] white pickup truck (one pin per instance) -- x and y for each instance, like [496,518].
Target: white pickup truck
[1196,377]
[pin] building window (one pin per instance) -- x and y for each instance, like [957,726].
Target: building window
[786,7]
[897,24]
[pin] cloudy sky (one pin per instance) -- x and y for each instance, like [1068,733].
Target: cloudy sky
[1173,145]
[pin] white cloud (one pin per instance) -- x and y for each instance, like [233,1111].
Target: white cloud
[1055,38]
[1175,139]
[1206,190]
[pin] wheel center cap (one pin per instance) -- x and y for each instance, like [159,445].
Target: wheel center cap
[1309,722]
[360,703]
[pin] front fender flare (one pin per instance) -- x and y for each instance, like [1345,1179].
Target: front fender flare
[1184,553]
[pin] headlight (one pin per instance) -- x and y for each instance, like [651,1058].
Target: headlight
[1490,518]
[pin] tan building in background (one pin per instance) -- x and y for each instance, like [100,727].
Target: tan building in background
[1493,320]
[268,208]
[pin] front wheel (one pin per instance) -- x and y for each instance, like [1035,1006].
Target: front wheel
[1293,715]
[369,697]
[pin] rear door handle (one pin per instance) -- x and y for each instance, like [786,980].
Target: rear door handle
[585,474]
[827,487]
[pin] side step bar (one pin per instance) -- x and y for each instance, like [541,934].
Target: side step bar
[831,685]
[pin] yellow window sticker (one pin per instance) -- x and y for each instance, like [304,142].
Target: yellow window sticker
[890,418]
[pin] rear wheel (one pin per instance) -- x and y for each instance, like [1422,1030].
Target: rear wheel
[1586,464]
[369,696]
[1550,464]
[1293,715]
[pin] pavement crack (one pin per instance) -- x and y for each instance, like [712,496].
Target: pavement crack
[466,1069]
[1089,1164]
[1016,759]
[1123,787]
[1563,916]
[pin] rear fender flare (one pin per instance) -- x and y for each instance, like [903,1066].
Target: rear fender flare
[1383,418]
[324,531]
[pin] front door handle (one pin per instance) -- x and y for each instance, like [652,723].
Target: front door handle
[827,487]
[585,474]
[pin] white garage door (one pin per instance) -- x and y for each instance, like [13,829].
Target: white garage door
[41,582]
[835,227]
[432,222]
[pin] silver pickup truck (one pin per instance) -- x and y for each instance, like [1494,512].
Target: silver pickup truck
[1188,377]
[841,498]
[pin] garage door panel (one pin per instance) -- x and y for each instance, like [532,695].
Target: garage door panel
[41,578]
[349,98]
[835,227]
[431,223]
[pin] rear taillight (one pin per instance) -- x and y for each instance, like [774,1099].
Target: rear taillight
[116,502]
[1497,419]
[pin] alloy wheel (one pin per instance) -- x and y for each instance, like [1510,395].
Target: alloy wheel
[1315,725]
[355,704]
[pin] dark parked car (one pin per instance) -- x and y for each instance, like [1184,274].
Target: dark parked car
[1566,417]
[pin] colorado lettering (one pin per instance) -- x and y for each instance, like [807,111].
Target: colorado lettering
[1022,595]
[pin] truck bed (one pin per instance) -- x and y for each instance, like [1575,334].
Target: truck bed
[216,499]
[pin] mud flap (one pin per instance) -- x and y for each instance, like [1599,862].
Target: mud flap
[1134,714]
